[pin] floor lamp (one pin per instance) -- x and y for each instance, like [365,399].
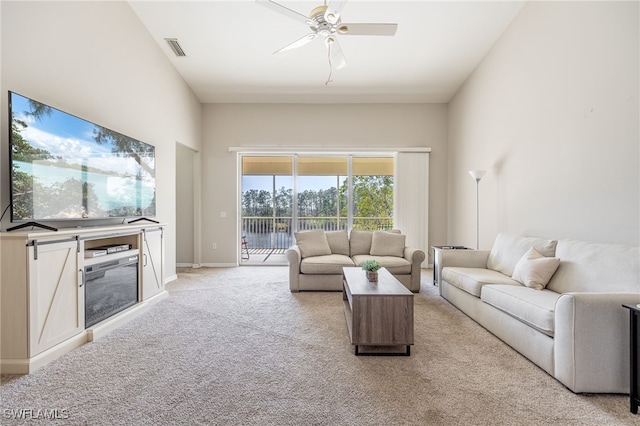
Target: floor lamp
[477,175]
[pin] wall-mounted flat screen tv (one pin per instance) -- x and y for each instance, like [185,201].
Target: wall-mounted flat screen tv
[67,168]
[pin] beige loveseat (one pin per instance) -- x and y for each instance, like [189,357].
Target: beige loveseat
[574,327]
[317,258]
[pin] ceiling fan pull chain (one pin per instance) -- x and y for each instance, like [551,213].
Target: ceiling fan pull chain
[329,80]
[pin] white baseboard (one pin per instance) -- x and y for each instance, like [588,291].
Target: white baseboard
[156,298]
[29,365]
[219,265]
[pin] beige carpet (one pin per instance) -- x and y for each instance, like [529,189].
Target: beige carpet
[234,346]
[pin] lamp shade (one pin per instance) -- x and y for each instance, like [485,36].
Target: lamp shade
[477,174]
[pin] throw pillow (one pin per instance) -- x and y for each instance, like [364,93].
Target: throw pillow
[508,249]
[312,243]
[360,242]
[535,270]
[385,243]
[338,242]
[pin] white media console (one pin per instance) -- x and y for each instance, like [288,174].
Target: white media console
[42,288]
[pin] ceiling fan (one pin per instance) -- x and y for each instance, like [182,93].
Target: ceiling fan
[326,23]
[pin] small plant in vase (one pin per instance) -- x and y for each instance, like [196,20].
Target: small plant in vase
[371,266]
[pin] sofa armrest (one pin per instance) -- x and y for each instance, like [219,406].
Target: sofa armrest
[461,258]
[415,257]
[294,257]
[592,341]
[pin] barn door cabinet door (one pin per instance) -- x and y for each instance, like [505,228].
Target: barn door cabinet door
[152,262]
[56,296]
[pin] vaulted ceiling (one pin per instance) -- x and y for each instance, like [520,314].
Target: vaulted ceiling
[229,49]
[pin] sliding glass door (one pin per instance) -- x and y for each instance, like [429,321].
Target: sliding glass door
[286,193]
[266,204]
[320,205]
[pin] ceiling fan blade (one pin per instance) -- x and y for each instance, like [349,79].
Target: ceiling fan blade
[334,10]
[368,29]
[283,10]
[335,52]
[298,43]
[337,5]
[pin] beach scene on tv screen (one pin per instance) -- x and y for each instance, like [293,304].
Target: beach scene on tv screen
[65,167]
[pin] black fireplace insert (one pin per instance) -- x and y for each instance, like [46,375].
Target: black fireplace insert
[110,287]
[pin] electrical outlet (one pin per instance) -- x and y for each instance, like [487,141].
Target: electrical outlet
[215,246]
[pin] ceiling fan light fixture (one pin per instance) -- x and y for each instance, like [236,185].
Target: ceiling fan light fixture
[343,29]
[332,17]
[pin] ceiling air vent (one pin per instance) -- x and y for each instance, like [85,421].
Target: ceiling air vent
[175,46]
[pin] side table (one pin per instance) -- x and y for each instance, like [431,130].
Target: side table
[435,264]
[634,338]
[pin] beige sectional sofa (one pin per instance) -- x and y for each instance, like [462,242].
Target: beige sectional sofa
[574,328]
[317,258]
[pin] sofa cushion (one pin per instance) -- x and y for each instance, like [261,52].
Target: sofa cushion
[385,243]
[508,249]
[338,242]
[331,264]
[394,264]
[533,307]
[472,280]
[535,270]
[312,243]
[596,267]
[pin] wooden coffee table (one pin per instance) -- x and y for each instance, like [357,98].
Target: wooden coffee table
[379,314]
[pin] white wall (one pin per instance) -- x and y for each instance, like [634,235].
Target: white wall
[307,125]
[96,60]
[552,114]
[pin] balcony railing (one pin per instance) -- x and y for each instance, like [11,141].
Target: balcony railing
[268,233]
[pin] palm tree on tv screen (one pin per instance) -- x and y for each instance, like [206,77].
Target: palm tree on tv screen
[126,146]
